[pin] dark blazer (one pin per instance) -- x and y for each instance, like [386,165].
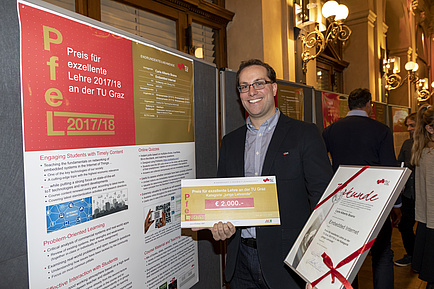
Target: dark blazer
[359,140]
[405,156]
[297,157]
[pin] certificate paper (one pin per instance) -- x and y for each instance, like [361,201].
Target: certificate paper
[344,224]
[242,201]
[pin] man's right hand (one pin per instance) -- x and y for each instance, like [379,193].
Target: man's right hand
[222,231]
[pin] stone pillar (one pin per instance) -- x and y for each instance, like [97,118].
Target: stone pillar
[245,32]
[361,52]
[262,29]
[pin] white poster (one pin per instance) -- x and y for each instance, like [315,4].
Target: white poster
[108,135]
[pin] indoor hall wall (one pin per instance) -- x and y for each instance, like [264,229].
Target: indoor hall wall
[245,38]
[262,29]
[379,25]
[259,31]
[399,40]
[359,51]
[363,50]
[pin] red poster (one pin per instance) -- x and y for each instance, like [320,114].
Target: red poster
[77,84]
[330,108]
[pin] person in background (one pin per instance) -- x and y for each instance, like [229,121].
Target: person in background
[422,157]
[270,144]
[407,220]
[359,140]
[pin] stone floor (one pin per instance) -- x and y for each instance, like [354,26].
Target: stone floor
[405,278]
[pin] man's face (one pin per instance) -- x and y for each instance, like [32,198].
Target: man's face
[258,103]
[411,124]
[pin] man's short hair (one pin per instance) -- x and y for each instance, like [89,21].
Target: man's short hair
[271,74]
[411,116]
[358,98]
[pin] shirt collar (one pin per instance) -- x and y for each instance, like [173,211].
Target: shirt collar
[270,123]
[357,112]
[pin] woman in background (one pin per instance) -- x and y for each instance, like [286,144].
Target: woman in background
[423,159]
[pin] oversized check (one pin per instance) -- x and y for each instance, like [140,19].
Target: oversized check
[344,224]
[246,201]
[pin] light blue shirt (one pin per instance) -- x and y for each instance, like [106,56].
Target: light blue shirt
[357,112]
[256,146]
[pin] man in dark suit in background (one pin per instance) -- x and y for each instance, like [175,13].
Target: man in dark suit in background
[359,140]
[270,144]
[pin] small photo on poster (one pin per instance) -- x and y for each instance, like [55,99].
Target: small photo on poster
[398,118]
[173,284]
[68,214]
[165,216]
[109,203]
[157,216]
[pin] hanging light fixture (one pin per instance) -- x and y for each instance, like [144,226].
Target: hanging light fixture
[336,13]
[394,80]
[422,89]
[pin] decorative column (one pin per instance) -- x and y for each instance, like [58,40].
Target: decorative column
[361,52]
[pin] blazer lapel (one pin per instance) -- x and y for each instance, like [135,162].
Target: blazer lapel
[279,134]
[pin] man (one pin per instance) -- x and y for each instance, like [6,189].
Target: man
[359,140]
[407,220]
[270,144]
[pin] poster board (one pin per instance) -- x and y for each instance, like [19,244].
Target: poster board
[379,112]
[397,123]
[295,100]
[101,170]
[232,111]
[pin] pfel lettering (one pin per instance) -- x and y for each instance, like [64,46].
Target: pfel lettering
[52,36]
[186,210]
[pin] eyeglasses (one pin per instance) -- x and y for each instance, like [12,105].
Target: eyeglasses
[257,85]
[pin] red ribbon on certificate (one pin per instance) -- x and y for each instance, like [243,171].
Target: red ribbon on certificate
[333,270]
[341,186]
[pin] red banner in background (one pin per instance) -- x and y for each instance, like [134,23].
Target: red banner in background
[77,84]
[330,108]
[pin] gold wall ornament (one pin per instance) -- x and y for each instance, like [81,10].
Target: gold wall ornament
[336,31]
[315,39]
[422,90]
[424,95]
[394,80]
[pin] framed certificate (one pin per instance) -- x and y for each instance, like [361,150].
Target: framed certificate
[343,226]
[250,201]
